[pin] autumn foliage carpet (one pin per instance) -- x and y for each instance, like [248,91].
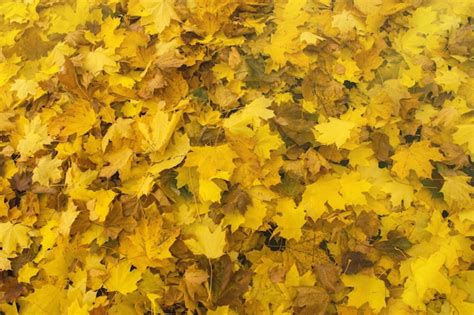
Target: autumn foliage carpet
[236,157]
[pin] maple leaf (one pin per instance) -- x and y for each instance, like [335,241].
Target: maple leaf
[78,118]
[367,289]
[77,182]
[417,285]
[457,191]
[193,282]
[344,21]
[149,244]
[205,242]
[249,115]
[416,157]
[47,171]
[24,88]
[27,272]
[99,206]
[212,162]
[336,131]
[463,135]
[13,236]
[158,133]
[122,279]
[266,142]
[255,214]
[283,41]
[117,159]
[36,136]
[67,219]
[324,190]
[6,123]
[44,300]
[100,60]
[291,220]
[353,188]
[156,14]
[399,192]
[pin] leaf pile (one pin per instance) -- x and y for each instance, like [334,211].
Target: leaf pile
[236,157]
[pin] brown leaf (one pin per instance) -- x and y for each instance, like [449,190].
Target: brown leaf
[68,78]
[353,262]
[101,310]
[454,155]
[235,199]
[369,223]
[329,277]
[10,289]
[193,286]
[311,300]
[228,286]
[21,182]
[117,221]
[152,81]
[395,246]
[381,146]
[294,124]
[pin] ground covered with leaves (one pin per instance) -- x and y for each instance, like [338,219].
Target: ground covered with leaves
[236,157]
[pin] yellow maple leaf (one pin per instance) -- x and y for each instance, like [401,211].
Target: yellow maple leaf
[425,275]
[422,19]
[316,195]
[117,159]
[47,171]
[6,121]
[65,18]
[100,60]
[67,219]
[13,236]
[251,114]
[266,142]
[100,205]
[36,136]
[346,69]
[399,192]
[255,214]
[78,118]
[336,131]
[463,136]
[205,242]
[209,190]
[156,14]
[158,132]
[344,21]
[212,162]
[26,272]
[284,41]
[149,244]
[122,279]
[291,220]
[24,88]
[451,79]
[457,191]
[415,158]
[111,38]
[77,183]
[8,68]
[120,129]
[353,188]
[367,289]
[46,299]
